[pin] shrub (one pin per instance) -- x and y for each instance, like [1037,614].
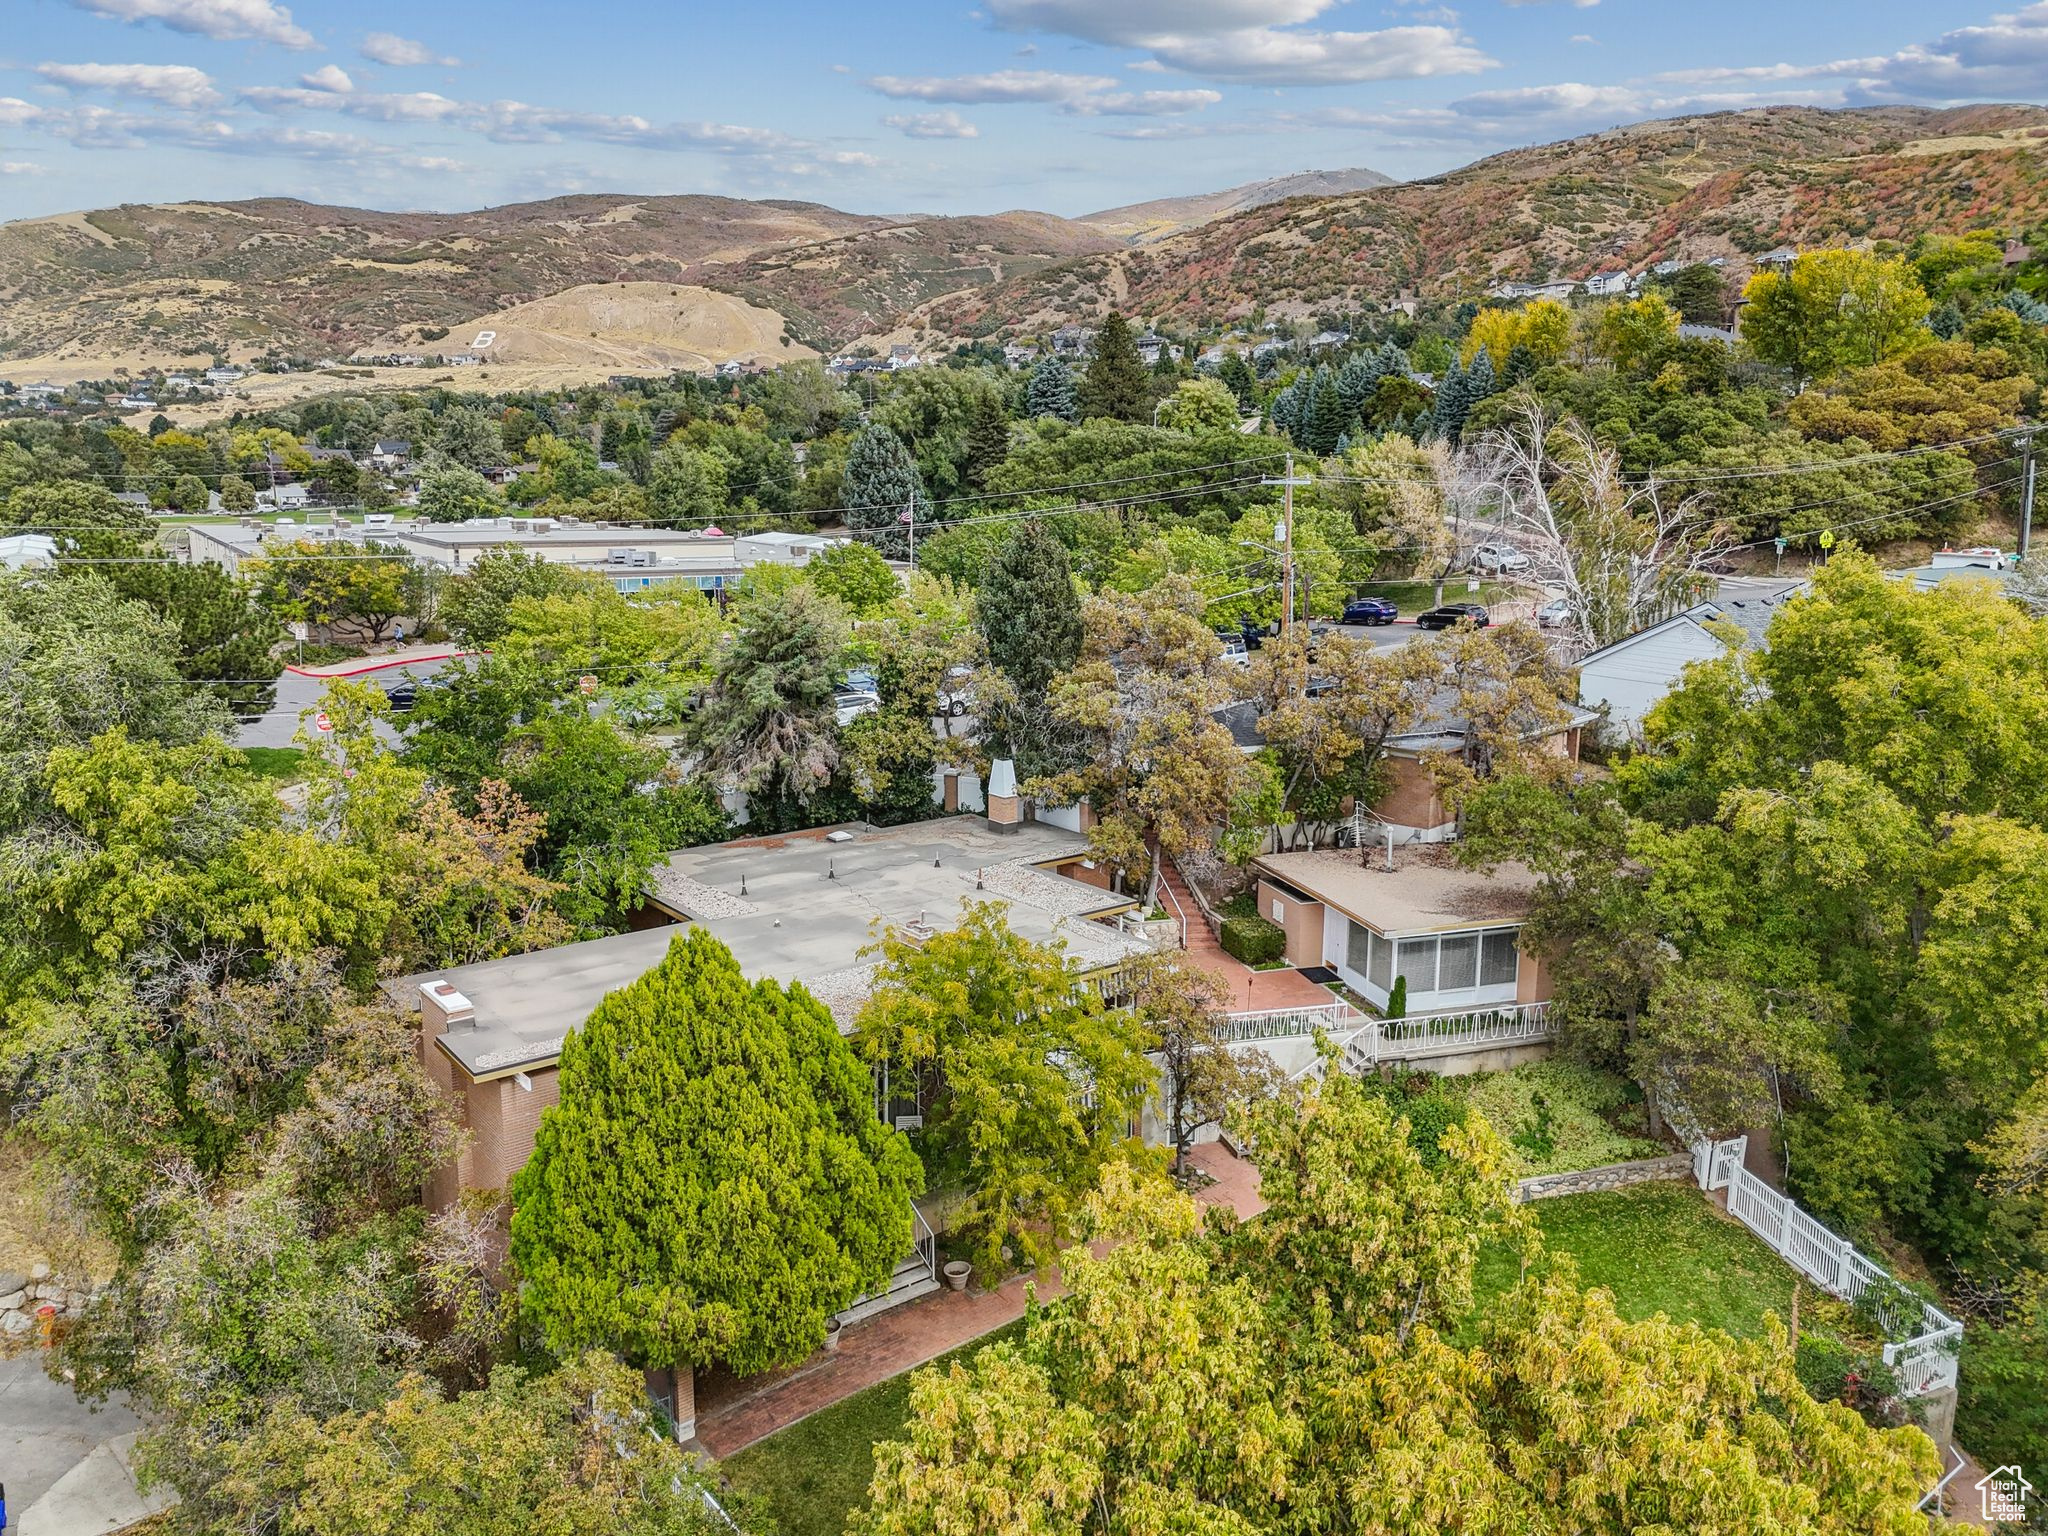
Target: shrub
[1560,1116]
[1397,998]
[1834,1372]
[1254,940]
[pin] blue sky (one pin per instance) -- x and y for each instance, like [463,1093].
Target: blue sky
[906,105]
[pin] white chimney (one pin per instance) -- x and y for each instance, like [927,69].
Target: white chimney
[1005,810]
[442,1005]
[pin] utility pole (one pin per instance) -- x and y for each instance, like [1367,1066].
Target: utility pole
[1286,532]
[2027,500]
[910,518]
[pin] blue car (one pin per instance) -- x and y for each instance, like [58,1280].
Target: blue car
[1370,610]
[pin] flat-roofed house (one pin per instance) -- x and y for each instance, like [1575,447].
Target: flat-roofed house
[1453,933]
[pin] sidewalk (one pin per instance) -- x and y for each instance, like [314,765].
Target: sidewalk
[733,1414]
[356,666]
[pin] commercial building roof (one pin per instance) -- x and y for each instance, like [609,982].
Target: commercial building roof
[1425,891]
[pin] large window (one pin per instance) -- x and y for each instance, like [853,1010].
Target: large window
[1477,966]
[1497,960]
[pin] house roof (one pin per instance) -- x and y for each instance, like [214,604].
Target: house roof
[1425,891]
[809,908]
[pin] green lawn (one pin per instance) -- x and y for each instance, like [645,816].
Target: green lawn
[1661,1248]
[281,763]
[807,1478]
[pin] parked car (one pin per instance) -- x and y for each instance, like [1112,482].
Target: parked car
[1453,613]
[1555,614]
[956,693]
[1369,610]
[402,696]
[849,704]
[1234,648]
[1498,558]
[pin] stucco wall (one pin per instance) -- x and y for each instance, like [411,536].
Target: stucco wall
[1302,920]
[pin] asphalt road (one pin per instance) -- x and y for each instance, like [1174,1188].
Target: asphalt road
[296,694]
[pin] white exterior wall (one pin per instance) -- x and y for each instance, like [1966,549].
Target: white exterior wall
[1627,681]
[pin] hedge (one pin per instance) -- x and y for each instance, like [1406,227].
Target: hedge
[1254,940]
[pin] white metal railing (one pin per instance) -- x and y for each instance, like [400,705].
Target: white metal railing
[1925,1360]
[1180,915]
[926,1244]
[1288,1023]
[1507,1024]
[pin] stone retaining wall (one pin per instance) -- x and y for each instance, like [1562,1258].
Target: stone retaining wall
[1586,1181]
[22,1296]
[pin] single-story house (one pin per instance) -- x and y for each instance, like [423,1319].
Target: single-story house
[800,907]
[1624,680]
[1454,934]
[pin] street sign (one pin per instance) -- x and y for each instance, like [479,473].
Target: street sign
[322,724]
[586,685]
[1827,540]
[300,629]
[1780,542]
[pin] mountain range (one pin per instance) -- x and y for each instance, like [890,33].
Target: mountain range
[89,293]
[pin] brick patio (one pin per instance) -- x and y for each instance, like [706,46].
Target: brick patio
[732,1414]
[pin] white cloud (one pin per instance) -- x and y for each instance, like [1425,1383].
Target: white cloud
[1582,5]
[22,168]
[998,86]
[229,19]
[401,52]
[932,125]
[370,106]
[1257,41]
[328,77]
[1582,37]
[1142,103]
[2005,59]
[175,85]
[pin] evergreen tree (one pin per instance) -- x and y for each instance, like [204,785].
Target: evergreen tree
[1115,384]
[988,437]
[1480,381]
[1237,375]
[1326,414]
[1028,610]
[1356,380]
[1050,391]
[714,1183]
[881,484]
[1453,404]
[1521,364]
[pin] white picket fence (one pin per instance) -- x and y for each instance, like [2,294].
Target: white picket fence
[1926,1359]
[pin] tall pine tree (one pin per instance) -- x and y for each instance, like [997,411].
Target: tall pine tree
[1453,404]
[881,485]
[988,437]
[1116,384]
[714,1183]
[1326,415]
[1030,619]
[1050,391]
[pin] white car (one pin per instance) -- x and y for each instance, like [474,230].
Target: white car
[1555,614]
[849,704]
[1499,558]
[1234,649]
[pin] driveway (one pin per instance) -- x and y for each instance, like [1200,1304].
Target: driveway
[45,1431]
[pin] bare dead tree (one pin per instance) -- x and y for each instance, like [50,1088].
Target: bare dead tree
[1623,554]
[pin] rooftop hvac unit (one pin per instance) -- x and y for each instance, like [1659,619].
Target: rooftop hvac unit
[636,557]
[521,525]
[617,556]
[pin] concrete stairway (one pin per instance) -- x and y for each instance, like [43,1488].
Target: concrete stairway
[910,1281]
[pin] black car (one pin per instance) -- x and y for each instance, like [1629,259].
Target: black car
[402,696]
[1369,610]
[1453,613]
